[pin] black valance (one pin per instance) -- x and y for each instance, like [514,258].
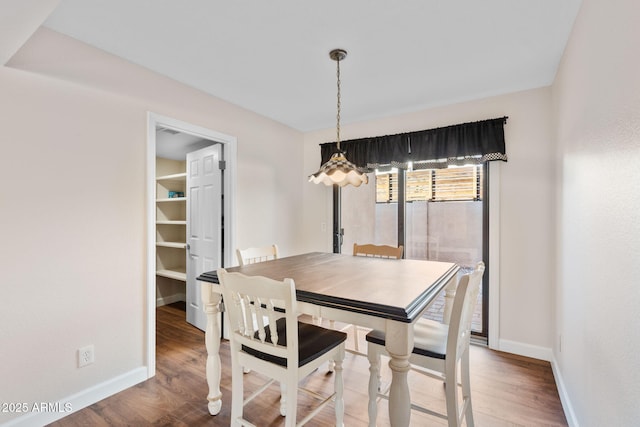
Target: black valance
[475,142]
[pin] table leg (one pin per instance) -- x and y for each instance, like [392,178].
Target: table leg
[399,343]
[211,302]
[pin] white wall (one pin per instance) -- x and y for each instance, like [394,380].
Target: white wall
[526,194]
[596,100]
[73,124]
[72,217]
[18,21]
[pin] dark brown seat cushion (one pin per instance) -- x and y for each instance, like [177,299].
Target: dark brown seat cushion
[313,342]
[430,338]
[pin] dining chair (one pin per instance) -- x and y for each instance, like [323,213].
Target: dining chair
[254,255]
[437,352]
[261,254]
[377,251]
[285,350]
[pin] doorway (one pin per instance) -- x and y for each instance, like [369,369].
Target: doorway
[170,140]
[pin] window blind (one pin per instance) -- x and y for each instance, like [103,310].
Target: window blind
[436,185]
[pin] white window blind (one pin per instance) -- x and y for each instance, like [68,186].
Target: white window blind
[437,185]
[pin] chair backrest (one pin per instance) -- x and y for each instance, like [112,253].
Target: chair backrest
[251,301]
[462,312]
[380,251]
[254,255]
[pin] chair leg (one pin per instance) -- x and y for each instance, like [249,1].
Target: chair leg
[466,388]
[283,399]
[339,389]
[373,354]
[237,393]
[451,392]
[291,409]
[331,364]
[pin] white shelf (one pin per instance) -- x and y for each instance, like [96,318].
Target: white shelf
[173,274]
[177,245]
[173,199]
[174,177]
[171,222]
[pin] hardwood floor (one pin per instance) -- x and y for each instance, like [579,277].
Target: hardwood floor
[507,390]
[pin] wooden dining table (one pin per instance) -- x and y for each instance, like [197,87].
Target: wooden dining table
[376,293]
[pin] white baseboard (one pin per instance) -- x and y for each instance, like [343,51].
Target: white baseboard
[527,350]
[80,400]
[169,299]
[572,421]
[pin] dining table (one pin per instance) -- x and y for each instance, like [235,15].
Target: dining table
[377,293]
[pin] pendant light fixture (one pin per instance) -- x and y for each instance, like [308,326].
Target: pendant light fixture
[338,170]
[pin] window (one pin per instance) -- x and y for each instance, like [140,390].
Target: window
[434,185]
[444,215]
[444,218]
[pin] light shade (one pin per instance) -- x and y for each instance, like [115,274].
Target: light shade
[338,170]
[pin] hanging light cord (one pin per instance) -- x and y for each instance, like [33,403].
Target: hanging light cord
[338,105]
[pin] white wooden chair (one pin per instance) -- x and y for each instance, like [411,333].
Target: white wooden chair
[438,349]
[254,255]
[377,251]
[286,353]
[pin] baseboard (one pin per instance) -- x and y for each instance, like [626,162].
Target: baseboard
[569,413]
[528,350]
[543,353]
[170,299]
[71,404]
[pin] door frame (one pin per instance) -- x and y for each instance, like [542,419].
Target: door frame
[229,177]
[493,331]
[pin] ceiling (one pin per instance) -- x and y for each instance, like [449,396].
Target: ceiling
[172,144]
[271,57]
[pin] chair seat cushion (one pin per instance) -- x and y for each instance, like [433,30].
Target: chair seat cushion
[430,338]
[313,342]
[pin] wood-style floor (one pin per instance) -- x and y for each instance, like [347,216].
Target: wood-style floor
[507,390]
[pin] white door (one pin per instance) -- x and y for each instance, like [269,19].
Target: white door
[204,224]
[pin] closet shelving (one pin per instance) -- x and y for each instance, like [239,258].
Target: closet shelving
[171,224]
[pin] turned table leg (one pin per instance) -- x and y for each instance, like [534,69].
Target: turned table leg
[211,301]
[399,344]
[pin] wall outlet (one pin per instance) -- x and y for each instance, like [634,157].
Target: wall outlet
[85,356]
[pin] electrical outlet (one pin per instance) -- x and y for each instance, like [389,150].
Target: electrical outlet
[85,356]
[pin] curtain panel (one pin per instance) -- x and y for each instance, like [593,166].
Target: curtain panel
[467,143]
